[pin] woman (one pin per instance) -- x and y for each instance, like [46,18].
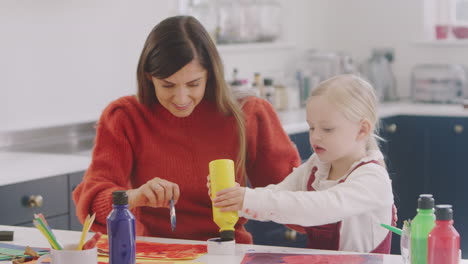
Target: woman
[157,144]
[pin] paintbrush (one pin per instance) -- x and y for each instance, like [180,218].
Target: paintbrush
[173,214]
[392,228]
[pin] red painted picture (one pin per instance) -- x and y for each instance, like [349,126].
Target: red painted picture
[264,258]
[161,251]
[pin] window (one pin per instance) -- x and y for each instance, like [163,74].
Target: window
[446,20]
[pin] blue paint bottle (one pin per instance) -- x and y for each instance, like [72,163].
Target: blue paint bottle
[121,231]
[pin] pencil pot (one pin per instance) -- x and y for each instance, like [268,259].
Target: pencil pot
[69,255]
[405,244]
[222,177]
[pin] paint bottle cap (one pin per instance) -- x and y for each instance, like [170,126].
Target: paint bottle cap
[425,201]
[119,198]
[444,212]
[215,246]
[227,235]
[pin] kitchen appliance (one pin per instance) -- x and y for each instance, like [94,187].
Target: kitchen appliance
[439,83]
[317,66]
[378,71]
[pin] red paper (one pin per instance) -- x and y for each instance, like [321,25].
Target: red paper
[153,250]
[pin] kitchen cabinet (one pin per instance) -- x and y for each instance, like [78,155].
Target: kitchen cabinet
[73,180]
[448,166]
[50,196]
[22,200]
[426,154]
[273,234]
[301,140]
[404,149]
[57,222]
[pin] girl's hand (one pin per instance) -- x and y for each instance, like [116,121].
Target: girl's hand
[230,199]
[154,193]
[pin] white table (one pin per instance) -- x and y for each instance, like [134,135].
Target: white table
[26,236]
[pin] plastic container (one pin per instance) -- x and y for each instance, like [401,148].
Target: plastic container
[444,240]
[222,177]
[421,225]
[121,231]
[215,246]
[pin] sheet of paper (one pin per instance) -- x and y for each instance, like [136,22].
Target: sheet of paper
[105,260]
[159,251]
[267,258]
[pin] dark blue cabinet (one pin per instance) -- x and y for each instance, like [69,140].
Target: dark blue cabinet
[273,234]
[301,140]
[50,196]
[426,154]
[448,166]
[73,180]
[405,148]
[22,200]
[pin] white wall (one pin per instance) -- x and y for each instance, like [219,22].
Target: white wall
[359,25]
[63,61]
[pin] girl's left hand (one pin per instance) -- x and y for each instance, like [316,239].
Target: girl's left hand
[230,199]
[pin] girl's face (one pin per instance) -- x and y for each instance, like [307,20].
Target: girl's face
[332,136]
[181,92]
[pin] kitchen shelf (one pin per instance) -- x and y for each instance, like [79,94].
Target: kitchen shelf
[442,43]
[260,46]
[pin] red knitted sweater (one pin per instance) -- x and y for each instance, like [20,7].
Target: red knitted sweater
[135,144]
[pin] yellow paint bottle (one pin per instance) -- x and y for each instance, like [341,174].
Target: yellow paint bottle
[222,177]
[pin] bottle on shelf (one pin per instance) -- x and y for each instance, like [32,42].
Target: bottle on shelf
[258,84]
[421,225]
[235,79]
[121,231]
[444,240]
[269,90]
[281,97]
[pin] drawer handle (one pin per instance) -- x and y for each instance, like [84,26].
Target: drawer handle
[290,235]
[35,201]
[458,129]
[392,128]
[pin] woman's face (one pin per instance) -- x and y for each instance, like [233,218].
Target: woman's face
[181,92]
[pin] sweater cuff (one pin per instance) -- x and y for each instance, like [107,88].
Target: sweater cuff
[251,207]
[102,205]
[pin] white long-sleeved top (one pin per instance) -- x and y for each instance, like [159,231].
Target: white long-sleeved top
[361,203]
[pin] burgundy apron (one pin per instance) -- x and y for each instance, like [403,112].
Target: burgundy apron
[328,236]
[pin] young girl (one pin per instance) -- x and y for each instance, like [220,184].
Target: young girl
[343,192]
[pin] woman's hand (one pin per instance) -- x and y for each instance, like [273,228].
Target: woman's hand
[230,199]
[154,193]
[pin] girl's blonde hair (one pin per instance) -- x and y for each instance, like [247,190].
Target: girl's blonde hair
[355,98]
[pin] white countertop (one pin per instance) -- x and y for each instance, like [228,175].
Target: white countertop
[294,121]
[25,236]
[16,167]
